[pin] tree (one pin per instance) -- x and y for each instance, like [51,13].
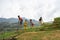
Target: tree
[56,22]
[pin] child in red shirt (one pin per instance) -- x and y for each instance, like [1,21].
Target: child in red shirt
[20,20]
[31,23]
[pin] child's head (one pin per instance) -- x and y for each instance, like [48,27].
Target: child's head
[18,16]
[40,17]
[30,20]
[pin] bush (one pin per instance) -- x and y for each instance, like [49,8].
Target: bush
[56,22]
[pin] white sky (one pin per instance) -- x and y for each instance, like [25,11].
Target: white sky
[33,9]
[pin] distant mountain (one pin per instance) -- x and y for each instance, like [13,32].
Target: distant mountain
[3,19]
[14,20]
[11,23]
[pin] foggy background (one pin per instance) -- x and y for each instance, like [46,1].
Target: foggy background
[33,9]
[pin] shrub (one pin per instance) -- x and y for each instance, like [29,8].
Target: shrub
[56,22]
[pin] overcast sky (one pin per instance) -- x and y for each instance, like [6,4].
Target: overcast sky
[33,9]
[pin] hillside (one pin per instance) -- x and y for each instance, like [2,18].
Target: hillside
[42,35]
[47,31]
[12,24]
[14,20]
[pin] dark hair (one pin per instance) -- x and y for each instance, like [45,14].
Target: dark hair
[40,19]
[18,16]
[30,19]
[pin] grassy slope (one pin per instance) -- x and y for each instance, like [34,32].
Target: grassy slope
[42,35]
[34,34]
[7,34]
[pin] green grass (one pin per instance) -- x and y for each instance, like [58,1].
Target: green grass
[35,33]
[12,33]
[7,34]
[41,32]
[42,35]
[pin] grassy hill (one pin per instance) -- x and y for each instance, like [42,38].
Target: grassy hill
[34,34]
[42,35]
[47,31]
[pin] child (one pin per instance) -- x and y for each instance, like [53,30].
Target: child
[25,24]
[40,20]
[31,23]
[20,20]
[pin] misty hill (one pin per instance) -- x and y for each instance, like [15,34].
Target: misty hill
[11,23]
[14,20]
[10,20]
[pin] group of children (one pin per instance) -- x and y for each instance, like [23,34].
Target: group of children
[26,23]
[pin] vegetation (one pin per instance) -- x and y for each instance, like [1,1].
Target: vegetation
[56,22]
[47,31]
[7,34]
[42,35]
